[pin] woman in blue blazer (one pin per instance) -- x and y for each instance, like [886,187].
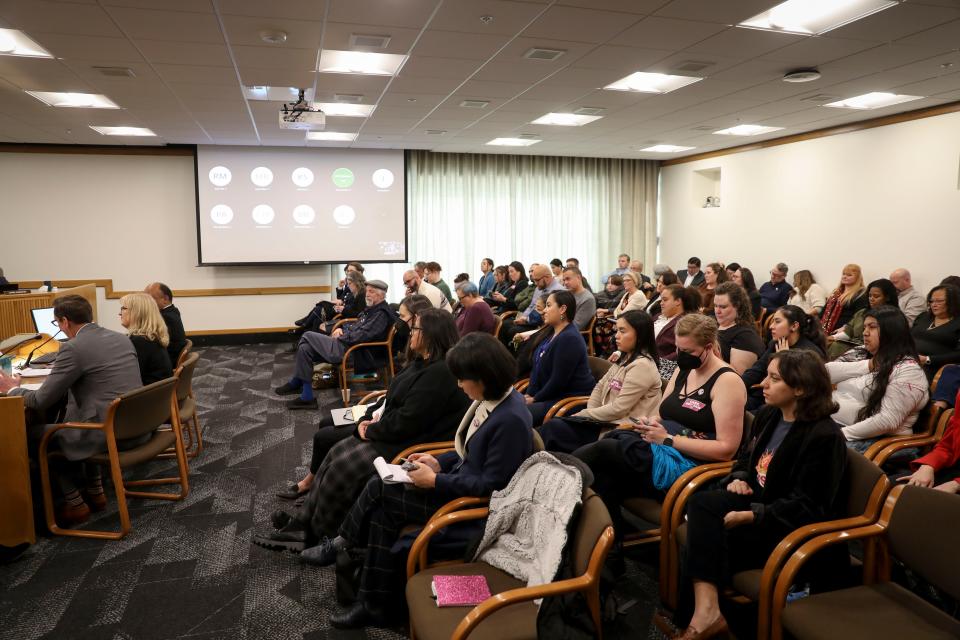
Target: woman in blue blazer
[492,441]
[560,367]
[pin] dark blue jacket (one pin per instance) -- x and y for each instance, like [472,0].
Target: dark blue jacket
[563,370]
[494,453]
[774,296]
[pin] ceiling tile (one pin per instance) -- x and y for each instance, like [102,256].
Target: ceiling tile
[301,34]
[509,17]
[279,58]
[166,52]
[168,5]
[273,77]
[175,73]
[176,26]
[428,67]
[80,47]
[899,21]
[40,16]
[452,44]
[623,60]
[810,52]
[282,10]
[626,6]
[409,13]
[336,36]
[943,37]
[493,89]
[667,33]
[517,71]
[743,43]
[728,12]
[579,25]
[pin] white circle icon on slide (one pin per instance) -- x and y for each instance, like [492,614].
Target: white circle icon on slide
[261,177]
[221,214]
[304,214]
[344,215]
[220,176]
[302,177]
[383,178]
[263,214]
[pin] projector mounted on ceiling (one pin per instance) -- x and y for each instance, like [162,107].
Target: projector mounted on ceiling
[302,115]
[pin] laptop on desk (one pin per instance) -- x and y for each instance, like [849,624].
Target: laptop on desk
[43,322]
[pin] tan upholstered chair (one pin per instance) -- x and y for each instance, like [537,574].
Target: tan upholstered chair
[598,367]
[388,369]
[134,415]
[917,526]
[187,349]
[187,406]
[588,335]
[510,612]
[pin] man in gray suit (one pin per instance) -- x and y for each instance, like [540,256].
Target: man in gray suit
[92,368]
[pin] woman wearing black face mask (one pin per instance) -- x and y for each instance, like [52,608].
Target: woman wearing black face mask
[700,420]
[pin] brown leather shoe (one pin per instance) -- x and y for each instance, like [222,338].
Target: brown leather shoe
[719,629]
[96,501]
[69,515]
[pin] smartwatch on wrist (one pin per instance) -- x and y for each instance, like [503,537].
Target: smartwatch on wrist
[667,442]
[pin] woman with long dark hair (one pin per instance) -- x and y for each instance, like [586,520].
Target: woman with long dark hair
[518,282]
[882,393]
[786,477]
[631,387]
[937,330]
[664,280]
[676,301]
[559,369]
[740,344]
[790,328]
[879,292]
[501,284]
[713,274]
[744,277]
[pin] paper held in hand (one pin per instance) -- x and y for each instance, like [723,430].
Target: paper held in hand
[391,473]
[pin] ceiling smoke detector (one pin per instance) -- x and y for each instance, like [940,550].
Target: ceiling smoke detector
[801,75]
[272,36]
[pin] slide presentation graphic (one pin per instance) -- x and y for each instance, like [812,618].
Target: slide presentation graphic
[300,205]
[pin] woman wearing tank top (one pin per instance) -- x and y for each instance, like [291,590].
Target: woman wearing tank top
[700,420]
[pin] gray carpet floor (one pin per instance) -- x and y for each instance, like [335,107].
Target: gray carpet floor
[187,570]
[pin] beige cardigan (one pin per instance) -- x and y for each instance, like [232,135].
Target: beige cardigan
[633,390]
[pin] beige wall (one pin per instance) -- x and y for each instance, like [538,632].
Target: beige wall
[882,198]
[132,219]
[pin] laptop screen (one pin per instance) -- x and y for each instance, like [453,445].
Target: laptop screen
[43,322]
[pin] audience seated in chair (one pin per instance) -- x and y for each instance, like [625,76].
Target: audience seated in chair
[148,332]
[423,404]
[515,283]
[327,434]
[786,477]
[791,328]
[476,314]
[630,387]
[940,469]
[882,392]
[623,266]
[560,367]
[663,280]
[350,305]
[488,280]
[492,441]
[700,419]
[415,283]
[849,297]
[611,294]
[573,262]
[572,281]
[713,275]
[677,301]
[692,276]
[776,292]
[807,294]
[531,317]
[496,297]
[910,301]
[744,277]
[371,326]
[431,273]
[740,344]
[95,365]
[937,330]
[879,292]
[163,296]
[632,300]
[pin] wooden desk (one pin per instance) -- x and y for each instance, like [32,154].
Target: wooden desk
[15,308]
[16,501]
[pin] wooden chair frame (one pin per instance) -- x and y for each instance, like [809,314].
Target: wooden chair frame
[926,439]
[187,348]
[496,329]
[562,407]
[116,473]
[192,431]
[876,561]
[588,336]
[588,582]
[345,368]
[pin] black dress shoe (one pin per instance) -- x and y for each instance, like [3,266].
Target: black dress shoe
[279,519]
[286,389]
[323,554]
[292,537]
[358,615]
[300,403]
[292,492]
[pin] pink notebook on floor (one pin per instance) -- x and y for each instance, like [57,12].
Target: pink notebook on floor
[460,591]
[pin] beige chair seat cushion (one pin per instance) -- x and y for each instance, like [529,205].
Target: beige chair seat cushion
[430,622]
[160,442]
[872,612]
[188,407]
[747,583]
[645,508]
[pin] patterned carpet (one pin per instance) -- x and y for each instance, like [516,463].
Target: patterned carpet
[187,569]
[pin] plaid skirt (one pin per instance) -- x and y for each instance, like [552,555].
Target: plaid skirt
[339,480]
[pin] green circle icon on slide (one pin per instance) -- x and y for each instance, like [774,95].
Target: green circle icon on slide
[343,177]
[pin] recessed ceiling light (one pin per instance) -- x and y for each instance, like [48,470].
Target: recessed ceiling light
[331,136]
[651,82]
[276,94]
[809,17]
[123,131]
[513,142]
[746,130]
[360,62]
[565,119]
[666,148]
[79,100]
[345,109]
[873,100]
[17,43]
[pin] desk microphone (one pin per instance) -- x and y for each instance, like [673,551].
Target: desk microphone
[30,357]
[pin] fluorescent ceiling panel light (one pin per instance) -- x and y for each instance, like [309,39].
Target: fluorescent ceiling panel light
[331,136]
[747,130]
[361,62]
[814,17]
[565,119]
[79,100]
[873,100]
[345,109]
[651,82]
[666,148]
[276,94]
[17,43]
[123,131]
[513,142]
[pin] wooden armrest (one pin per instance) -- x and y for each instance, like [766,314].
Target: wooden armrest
[418,552]
[458,504]
[881,457]
[524,594]
[372,396]
[77,425]
[508,314]
[883,443]
[936,378]
[561,404]
[424,447]
[521,385]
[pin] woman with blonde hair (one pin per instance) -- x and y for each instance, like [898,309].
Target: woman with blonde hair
[807,294]
[141,317]
[849,297]
[605,327]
